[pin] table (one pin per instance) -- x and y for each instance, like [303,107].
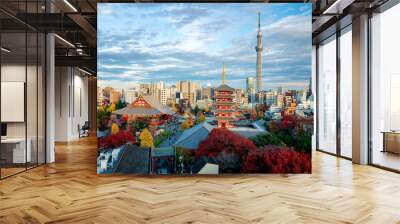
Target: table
[13,150]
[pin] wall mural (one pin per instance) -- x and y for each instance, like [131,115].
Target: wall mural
[204,88]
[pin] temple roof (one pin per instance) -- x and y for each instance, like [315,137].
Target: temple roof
[153,108]
[224,88]
[192,137]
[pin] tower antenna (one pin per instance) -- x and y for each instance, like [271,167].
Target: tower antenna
[223,74]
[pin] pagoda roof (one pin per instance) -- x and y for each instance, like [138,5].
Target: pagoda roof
[224,87]
[153,107]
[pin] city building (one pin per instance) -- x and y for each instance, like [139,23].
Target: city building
[280,101]
[115,96]
[270,98]
[207,93]
[130,95]
[279,90]
[239,97]
[188,91]
[250,89]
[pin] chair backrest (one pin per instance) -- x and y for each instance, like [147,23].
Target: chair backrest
[86,125]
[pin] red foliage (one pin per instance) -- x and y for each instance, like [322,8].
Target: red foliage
[275,159]
[116,140]
[223,140]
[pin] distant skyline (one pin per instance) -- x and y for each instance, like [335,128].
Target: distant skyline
[144,43]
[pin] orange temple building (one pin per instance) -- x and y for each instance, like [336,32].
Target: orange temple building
[146,107]
[224,104]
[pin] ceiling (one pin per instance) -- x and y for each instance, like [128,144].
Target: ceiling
[75,22]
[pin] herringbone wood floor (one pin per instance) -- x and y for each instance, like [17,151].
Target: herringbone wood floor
[70,191]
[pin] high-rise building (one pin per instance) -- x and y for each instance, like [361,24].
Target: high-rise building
[259,49]
[107,92]
[270,98]
[171,92]
[207,92]
[279,101]
[198,94]
[163,96]
[279,90]
[188,90]
[250,84]
[239,96]
[156,88]
[115,96]
[250,89]
[130,95]
[99,95]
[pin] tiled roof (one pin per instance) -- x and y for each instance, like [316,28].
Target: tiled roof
[192,137]
[134,160]
[138,111]
[155,104]
[167,151]
[225,88]
[155,108]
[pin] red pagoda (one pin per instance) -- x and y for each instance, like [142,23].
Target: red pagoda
[225,107]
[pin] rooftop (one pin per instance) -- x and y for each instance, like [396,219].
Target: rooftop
[153,107]
[224,87]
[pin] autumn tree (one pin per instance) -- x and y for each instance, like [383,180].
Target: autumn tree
[200,117]
[185,125]
[206,109]
[276,159]
[116,140]
[114,129]
[226,147]
[146,139]
[112,107]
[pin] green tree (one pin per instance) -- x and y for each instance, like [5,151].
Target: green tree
[266,139]
[303,142]
[120,105]
[196,110]
[139,125]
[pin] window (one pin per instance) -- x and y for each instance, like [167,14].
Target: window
[385,89]
[346,93]
[327,95]
[23,79]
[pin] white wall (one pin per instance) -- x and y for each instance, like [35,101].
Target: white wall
[71,102]
[12,73]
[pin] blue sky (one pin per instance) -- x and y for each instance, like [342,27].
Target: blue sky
[149,42]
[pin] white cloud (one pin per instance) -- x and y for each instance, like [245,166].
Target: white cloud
[113,49]
[292,26]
